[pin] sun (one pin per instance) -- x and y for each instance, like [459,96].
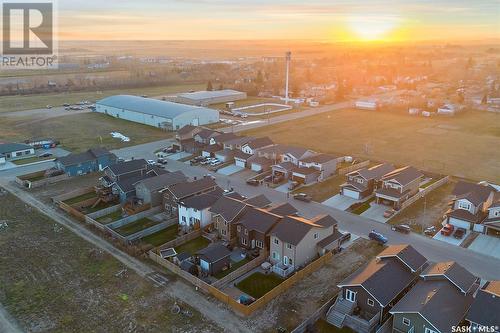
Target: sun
[371,28]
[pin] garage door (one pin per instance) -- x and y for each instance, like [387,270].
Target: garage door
[459,223]
[350,193]
[240,163]
[256,167]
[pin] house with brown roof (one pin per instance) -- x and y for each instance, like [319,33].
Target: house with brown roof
[205,135]
[253,228]
[148,190]
[492,221]
[485,309]
[221,139]
[296,241]
[361,183]
[241,158]
[175,193]
[439,300]
[226,212]
[252,146]
[259,164]
[237,143]
[210,150]
[283,209]
[398,186]
[367,295]
[470,205]
[325,164]
[187,132]
[259,201]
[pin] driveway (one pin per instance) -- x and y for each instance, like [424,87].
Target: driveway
[283,188]
[340,201]
[488,245]
[230,169]
[450,239]
[178,156]
[376,212]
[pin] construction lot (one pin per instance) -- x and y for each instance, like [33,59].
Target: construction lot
[52,280]
[464,145]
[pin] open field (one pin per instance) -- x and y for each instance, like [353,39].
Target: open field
[28,102]
[53,281]
[466,148]
[79,132]
[31,160]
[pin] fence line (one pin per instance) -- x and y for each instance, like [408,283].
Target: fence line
[345,170]
[73,194]
[132,218]
[104,212]
[423,193]
[241,270]
[314,317]
[180,240]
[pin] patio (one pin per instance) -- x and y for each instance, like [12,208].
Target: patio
[341,202]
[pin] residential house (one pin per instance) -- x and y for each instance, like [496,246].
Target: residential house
[241,159]
[225,155]
[194,211]
[296,241]
[305,175]
[283,169]
[15,151]
[221,139]
[253,228]
[259,201]
[259,164]
[361,183]
[439,300]
[125,186]
[3,159]
[367,295]
[492,221]
[210,150]
[470,205]
[485,308]
[214,258]
[326,164]
[237,143]
[398,186]
[295,154]
[187,132]
[176,193]
[225,213]
[283,209]
[255,144]
[205,135]
[148,190]
[121,170]
[93,160]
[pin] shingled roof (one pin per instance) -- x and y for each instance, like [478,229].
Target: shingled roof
[204,200]
[259,220]
[228,208]
[292,229]
[407,254]
[456,274]
[89,155]
[185,189]
[404,175]
[486,306]
[475,193]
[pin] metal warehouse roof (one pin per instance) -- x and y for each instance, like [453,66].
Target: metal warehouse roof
[199,95]
[150,106]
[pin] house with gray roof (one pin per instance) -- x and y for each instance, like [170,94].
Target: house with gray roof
[252,146]
[295,241]
[194,211]
[148,190]
[361,183]
[485,308]
[237,142]
[259,201]
[283,209]
[253,228]
[439,301]
[325,164]
[367,295]
[492,222]
[398,186]
[11,151]
[176,193]
[92,160]
[214,258]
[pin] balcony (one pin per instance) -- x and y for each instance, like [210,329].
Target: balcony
[342,314]
[283,270]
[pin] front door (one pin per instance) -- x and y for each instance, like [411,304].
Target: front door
[350,295]
[285,260]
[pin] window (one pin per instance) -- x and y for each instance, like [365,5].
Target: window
[244,241]
[276,255]
[238,228]
[223,232]
[428,330]
[27,152]
[290,262]
[225,222]
[195,210]
[407,322]
[246,231]
[496,213]
[463,205]
[259,244]
[359,180]
[183,219]
[316,236]
[370,302]
[276,241]
[289,246]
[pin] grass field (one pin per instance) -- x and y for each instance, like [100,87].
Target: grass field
[81,131]
[258,284]
[31,160]
[53,281]
[193,246]
[111,217]
[162,236]
[234,266]
[324,190]
[80,198]
[136,226]
[464,145]
[28,102]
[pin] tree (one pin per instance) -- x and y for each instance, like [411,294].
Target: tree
[209,86]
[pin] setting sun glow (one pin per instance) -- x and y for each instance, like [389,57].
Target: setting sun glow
[370,28]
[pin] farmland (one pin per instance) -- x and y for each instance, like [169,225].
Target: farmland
[51,280]
[463,146]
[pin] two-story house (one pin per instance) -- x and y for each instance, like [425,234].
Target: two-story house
[187,132]
[194,211]
[205,135]
[237,143]
[361,183]
[492,221]
[367,295]
[439,301]
[485,308]
[148,190]
[174,194]
[92,160]
[325,164]
[398,186]
[252,146]
[470,205]
[253,228]
[226,211]
[221,139]
[296,241]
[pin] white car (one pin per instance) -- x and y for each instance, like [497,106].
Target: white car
[151,162]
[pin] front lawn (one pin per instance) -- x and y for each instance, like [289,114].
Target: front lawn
[258,284]
[193,246]
[234,266]
[80,198]
[136,226]
[362,207]
[162,236]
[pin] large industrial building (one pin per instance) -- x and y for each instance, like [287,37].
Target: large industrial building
[166,115]
[203,98]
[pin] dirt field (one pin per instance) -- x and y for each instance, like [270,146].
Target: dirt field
[300,301]
[79,132]
[53,281]
[465,145]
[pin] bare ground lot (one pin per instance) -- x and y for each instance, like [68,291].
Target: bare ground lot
[53,281]
[468,148]
[80,131]
[305,297]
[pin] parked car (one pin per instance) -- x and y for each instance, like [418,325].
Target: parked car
[345,237]
[459,233]
[49,106]
[65,104]
[430,231]
[253,182]
[47,154]
[447,230]
[162,161]
[401,228]
[388,213]
[378,237]
[302,197]
[151,162]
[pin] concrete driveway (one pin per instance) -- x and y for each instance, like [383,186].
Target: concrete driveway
[376,212]
[340,201]
[283,188]
[230,169]
[488,245]
[450,239]
[178,156]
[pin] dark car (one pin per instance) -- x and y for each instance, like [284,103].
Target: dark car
[302,197]
[378,237]
[253,182]
[459,233]
[47,154]
[401,228]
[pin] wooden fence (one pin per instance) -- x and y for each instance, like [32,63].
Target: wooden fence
[72,211]
[313,318]
[345,170]
[423,193]
[241,270]
[73,194]
[180,240]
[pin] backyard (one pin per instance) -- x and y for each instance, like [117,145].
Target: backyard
[258,284]
[80,288]
[133,227]
[31,160]
[234,266]
[162,236]
[430,143]
[193,246]
[81,198]
[111,217]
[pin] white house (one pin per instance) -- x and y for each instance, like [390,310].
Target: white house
[194,211]
[255,144]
